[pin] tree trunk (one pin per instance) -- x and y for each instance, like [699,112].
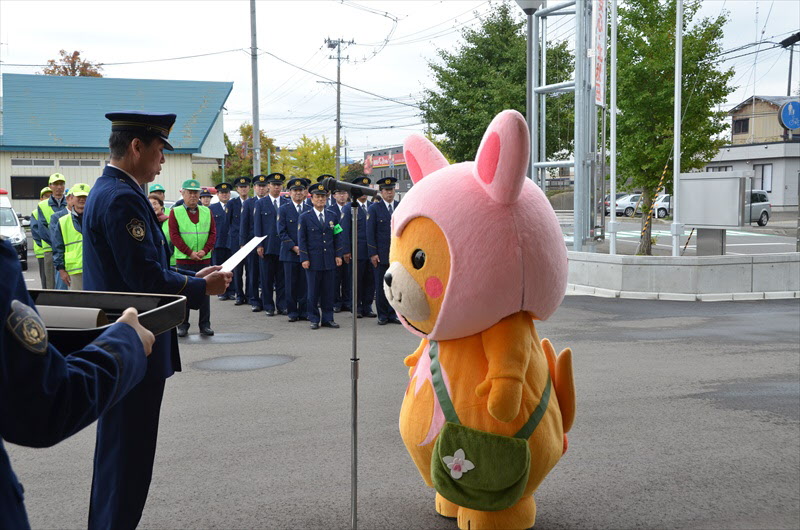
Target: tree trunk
[645,247]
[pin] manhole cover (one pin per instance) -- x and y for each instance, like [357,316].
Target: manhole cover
[224,338]
[240,363]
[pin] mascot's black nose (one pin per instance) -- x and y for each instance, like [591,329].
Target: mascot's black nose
[388,278]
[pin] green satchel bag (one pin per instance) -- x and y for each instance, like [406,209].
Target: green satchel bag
[477,469]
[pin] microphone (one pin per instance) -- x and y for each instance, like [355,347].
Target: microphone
[331,185]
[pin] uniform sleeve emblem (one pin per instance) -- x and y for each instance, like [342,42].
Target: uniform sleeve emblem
[25,324]
[136,229]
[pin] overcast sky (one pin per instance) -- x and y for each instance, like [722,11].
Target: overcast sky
[293,102]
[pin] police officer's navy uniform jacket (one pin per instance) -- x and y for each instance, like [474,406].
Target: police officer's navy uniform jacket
[379,239]
[320,246]
[265,223]
[45,396]
[252,265]
[294,276]
[124,249]
[234,224]
[221,222]
[365,274]
[341,294]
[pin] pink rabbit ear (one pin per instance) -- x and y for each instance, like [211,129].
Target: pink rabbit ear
[502,158]
[422,157]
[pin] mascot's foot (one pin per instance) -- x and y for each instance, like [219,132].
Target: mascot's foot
[446,508]
[521,515]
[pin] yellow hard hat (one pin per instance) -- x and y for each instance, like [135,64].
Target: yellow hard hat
[45,190]
[56,177]
[80,190]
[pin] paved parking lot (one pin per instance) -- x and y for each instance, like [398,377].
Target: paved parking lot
[688,416]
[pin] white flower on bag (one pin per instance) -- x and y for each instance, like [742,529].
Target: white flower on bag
[458,464]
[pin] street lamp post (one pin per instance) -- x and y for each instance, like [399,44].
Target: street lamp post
[529,7]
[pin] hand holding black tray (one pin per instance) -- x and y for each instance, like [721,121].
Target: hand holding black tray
[158,313]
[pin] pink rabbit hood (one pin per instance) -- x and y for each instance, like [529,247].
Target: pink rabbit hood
[506,247]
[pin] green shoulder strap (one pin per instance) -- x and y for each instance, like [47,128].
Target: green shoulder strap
[450,412]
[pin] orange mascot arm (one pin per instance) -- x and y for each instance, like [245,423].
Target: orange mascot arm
[412,360]
[508,347]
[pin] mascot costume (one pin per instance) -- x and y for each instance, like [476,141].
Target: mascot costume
[477,255]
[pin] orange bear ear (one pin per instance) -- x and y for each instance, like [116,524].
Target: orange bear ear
[502,159]
[422,157]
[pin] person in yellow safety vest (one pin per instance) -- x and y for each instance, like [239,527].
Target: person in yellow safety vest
[68,241]
[46,209]
[38,250]
[193,232]
[163,218]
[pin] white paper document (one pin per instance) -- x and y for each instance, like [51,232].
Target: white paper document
[242,253]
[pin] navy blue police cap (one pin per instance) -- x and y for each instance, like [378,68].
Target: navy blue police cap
[223,186]
[205,193]
[307,181]
[296,183]
[386,183]
[153,124]
[260,180]
[242,181]
[276,178]
[324,176]
[318,189]
[361,181]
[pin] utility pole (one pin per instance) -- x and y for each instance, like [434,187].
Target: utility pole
[254,67]
[789,42]
[337,43]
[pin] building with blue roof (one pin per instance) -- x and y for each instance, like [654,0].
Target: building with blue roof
[52,124]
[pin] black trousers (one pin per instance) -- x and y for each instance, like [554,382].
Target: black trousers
[295,277]
[385,311]
[272,280]
[205,306]
[366,286]
[341,294]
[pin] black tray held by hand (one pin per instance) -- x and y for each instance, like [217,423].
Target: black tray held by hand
[158,313]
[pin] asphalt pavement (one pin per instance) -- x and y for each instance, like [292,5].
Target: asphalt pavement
[688,417]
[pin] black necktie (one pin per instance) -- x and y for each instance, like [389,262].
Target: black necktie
[390,209]
[321,219]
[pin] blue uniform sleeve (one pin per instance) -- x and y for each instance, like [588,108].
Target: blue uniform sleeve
[346,223]
[283,233]
[302,241]
[138,260]
[372,220]
[45,396]
[58,247]
[245,225]
[258,223]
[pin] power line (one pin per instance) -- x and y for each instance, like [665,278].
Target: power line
[146,60]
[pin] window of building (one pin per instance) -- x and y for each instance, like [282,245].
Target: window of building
[741,126]
[35,162]
[713,169]
[763,178]
[73,162]
[27,187]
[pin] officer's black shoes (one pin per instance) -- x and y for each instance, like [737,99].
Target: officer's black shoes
[347,309]
[238,302]
[358,315]
[284,311]
[270,312]
[314,325]
[395,321]
[222,297]
[330,324]
[369,314]
[182,332]
[382,322]
[292,319]
[256,309]
[208,332]
[337,310]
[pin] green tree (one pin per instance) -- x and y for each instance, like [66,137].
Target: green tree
[646,81]
[71,64]
[313,157]
[356,169]
[239,160]
[486,74]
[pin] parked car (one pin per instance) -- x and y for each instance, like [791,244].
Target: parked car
[607,199]
[11,228]
[627,205]
[663,206]
[759,206]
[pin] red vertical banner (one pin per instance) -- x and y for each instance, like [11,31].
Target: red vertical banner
[600,34]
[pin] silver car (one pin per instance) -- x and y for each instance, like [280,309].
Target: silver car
[759,207]
[627,205]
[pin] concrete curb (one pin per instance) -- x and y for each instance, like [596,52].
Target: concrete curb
[586,290]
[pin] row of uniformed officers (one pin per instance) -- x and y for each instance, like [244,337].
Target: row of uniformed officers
[302,267]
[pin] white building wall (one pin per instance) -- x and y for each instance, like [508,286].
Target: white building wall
[176,169]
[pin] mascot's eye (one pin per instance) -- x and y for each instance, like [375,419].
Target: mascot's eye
[418,259]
